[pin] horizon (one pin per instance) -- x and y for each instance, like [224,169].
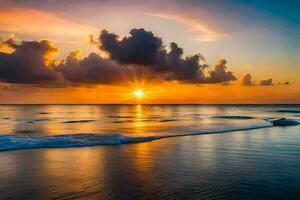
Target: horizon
[151,104]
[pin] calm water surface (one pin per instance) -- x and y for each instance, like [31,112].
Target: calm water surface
[252,164]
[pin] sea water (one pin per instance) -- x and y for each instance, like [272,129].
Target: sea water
[180,152]
[41,126]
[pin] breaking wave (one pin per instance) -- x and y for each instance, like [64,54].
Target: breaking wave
[78,121]
[232,117]
[19,141]
[167,120]
[288,111]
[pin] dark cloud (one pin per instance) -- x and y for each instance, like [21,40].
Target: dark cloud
[92,69]
[219,74]
[140,56]
[31,62]
[141,47]
[286,83]
[175,67]
[247,80]
[144,49]
[268,82]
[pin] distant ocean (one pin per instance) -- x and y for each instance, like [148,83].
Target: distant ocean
[149,151]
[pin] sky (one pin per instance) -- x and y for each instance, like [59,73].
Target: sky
[175,51]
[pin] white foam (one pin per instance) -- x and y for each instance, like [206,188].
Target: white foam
[19,141]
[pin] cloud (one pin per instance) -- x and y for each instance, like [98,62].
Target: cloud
[92,40]
[247,80]
[11,43]
[42,24]
[7,46]
[31,62]
[144,49]
[92,69]
[140,56]
[204,32]
[219,74]
[268,82]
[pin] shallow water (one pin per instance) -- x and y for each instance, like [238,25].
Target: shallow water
[132,120]
[256,164]
[37,126]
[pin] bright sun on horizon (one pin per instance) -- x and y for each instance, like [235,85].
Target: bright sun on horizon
[139,93]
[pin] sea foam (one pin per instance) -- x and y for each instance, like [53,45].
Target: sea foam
[21,141]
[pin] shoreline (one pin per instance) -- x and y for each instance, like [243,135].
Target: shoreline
[119,140]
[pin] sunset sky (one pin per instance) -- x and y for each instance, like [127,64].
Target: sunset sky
[174,51]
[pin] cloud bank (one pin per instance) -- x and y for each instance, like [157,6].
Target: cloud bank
[92,69]
[268,82]
[130,57]
[145,50]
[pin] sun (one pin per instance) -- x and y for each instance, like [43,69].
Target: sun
[139,93]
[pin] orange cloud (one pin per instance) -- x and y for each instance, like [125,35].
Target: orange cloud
[4,48]
[37,23]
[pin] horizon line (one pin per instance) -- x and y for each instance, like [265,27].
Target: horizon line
[297,104]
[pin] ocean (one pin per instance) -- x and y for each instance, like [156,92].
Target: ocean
[148,152]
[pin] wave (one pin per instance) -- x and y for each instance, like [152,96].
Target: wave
[19,141]
[232,117]
[39,120]
[78,121]
[285,122]
[288,111]
[119,116]
[167,120]
[43,113]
